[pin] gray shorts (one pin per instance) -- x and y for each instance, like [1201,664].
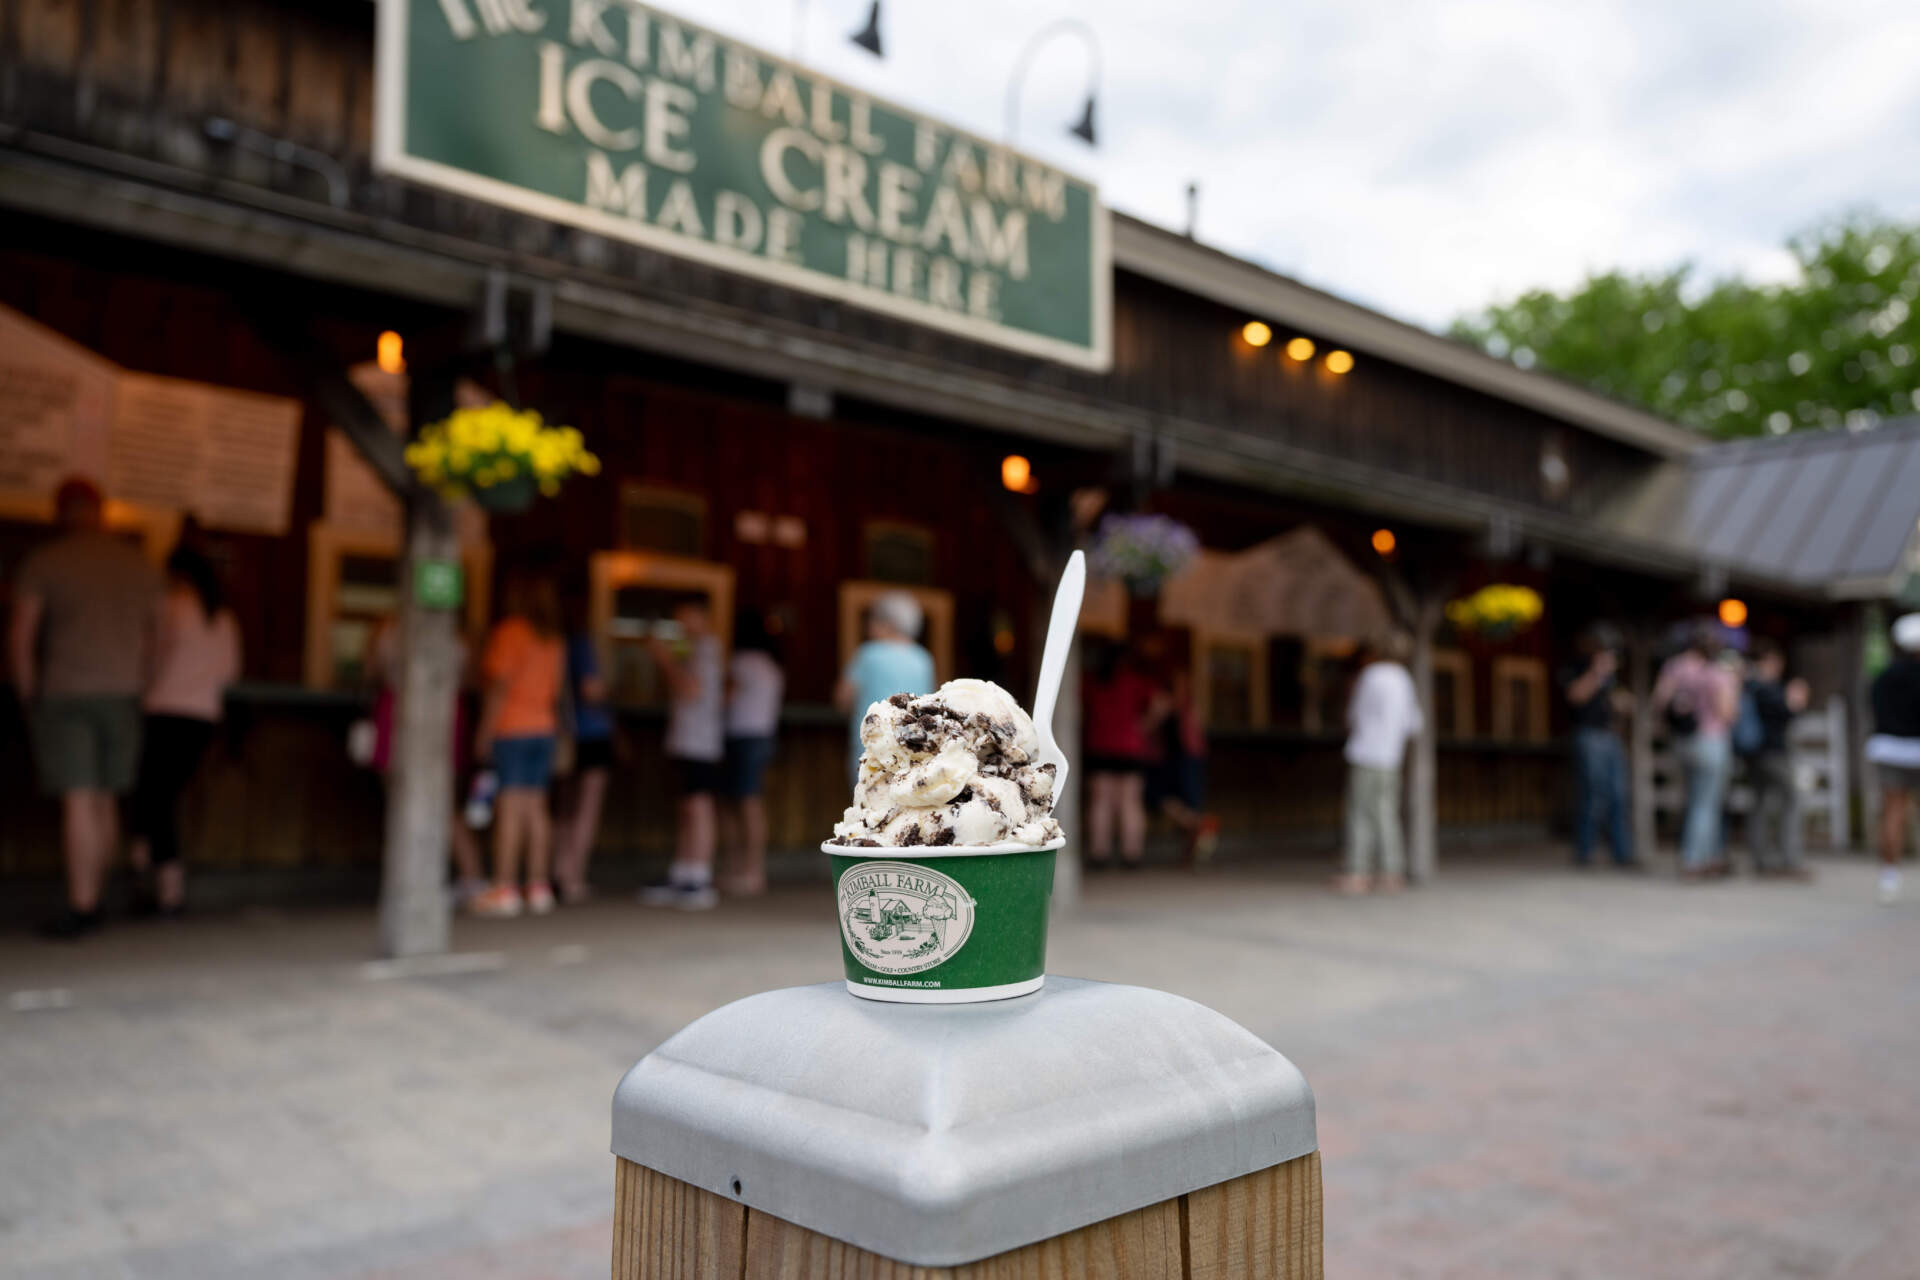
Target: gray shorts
[89,743]
[1899,777]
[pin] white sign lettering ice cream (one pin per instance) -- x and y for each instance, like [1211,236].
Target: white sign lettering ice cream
[612,116]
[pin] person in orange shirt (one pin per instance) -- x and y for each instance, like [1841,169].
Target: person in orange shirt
[523,667]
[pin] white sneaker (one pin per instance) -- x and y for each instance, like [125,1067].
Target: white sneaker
[686,897]
[1889,891]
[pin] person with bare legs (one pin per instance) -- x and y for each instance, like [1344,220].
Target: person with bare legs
[586,791]
[755,683]
[85,610]
[523,667]
[1116,705]
[1894,749]
[696,743]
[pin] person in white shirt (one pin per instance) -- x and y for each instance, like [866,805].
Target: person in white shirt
[696,750]
[755,683]
[1382,716]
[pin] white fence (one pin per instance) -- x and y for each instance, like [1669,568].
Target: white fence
[1817,744]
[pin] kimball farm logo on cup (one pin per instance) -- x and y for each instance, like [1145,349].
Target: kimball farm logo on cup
[900,919]
[617,118]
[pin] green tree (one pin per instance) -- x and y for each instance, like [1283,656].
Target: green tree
[1838,346]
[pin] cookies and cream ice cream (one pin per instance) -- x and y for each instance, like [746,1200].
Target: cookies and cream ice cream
[953,767]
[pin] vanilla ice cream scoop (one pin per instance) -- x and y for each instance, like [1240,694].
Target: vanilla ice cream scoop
[953,767]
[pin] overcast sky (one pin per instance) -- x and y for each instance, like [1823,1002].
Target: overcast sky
[1427,156]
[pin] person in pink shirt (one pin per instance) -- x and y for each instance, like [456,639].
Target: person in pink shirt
[196,656]
[1700,696]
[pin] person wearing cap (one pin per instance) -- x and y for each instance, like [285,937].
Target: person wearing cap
[891,661]
[1894,748]
[86,608]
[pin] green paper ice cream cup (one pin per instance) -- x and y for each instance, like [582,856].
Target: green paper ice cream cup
[943,925]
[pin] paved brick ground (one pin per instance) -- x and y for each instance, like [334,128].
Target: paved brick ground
[1520,1072]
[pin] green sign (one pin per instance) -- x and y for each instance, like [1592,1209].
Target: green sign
[617,118]
[439,584]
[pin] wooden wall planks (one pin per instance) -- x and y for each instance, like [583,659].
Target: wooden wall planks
[1265,1226]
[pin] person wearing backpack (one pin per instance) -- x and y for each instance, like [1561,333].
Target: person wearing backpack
[1768,705]
[1700,699]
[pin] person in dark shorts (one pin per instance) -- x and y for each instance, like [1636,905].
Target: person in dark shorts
[1894,749]
[85,611]
[586,789]
[524,664]
[696,748]
[1116,701]
[755,684]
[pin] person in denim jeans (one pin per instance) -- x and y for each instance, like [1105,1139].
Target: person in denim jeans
[1701,697]
[1594,694]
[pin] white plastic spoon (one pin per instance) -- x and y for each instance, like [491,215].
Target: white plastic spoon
[1053,664]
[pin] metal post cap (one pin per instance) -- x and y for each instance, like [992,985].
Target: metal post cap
[941,1135]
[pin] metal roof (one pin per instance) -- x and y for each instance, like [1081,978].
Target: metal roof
[1836,512]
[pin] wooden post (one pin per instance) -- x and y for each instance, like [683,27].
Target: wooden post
[1640,740]
[811,1135]
[1859,689]
[1066,806]
[1263,1226]
[1423,769]
[414,911]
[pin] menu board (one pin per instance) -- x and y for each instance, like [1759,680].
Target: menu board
[226,456]
[56,401]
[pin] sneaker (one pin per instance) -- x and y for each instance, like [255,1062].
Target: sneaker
[1888,892]
[686,897]
[71,925]
[1207,839]
[539,899]
[1352,885]
[465,891]
[502,902]
[575,894]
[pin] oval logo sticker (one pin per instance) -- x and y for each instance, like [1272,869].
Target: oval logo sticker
[899,918]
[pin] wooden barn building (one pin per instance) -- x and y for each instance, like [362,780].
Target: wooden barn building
[200,200]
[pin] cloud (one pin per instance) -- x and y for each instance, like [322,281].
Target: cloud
[1428,156]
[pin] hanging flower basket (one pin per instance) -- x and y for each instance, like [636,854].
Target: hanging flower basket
[1496,612]
[508,496]
[1143,551]
[499,456]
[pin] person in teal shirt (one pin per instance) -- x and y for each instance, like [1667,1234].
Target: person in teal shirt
[891,661]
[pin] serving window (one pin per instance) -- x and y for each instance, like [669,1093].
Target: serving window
[936,626]
[1519,699]
[633,595]
[353,585]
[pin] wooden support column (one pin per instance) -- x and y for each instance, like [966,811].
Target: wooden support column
[414,911]
[1640,740]
[1423,768]
[1066,806]
[415,916]
[1859,689]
